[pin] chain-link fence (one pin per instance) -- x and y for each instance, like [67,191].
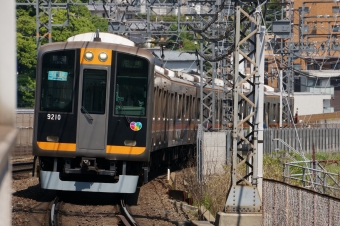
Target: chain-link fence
[288,205]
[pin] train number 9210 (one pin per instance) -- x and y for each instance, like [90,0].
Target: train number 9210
[53,116]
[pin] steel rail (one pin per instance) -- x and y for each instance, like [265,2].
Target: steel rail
[53,208]
[126,218]
[21,163]
[20,168]
[127,214]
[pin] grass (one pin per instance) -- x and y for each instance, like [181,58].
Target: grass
[213,192]
[273,168]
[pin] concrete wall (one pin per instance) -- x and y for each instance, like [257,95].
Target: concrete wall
[7,106]
[309,104]
[214,145]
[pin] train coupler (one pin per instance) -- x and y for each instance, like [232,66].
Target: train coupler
[88,163]
[89,166]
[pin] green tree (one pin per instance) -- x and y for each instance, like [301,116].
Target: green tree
[80,21]
[26,56]
[26,41]
[273,11]
[26,91]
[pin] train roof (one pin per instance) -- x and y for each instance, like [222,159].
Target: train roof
[105,37]
[186,78]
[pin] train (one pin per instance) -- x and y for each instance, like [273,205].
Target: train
[105,114]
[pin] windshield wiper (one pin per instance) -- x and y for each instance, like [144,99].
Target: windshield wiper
[88,116]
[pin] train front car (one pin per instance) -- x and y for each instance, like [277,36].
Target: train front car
[92,104]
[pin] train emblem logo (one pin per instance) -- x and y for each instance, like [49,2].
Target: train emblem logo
[135,126]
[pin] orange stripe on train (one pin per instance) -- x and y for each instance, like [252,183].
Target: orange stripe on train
[127,150]
[110,149]
[54,146]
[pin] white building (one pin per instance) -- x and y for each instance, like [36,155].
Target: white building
[310,103]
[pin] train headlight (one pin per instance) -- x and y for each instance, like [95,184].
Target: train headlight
[52,138]
[102,57]
[88,56]
[130,142]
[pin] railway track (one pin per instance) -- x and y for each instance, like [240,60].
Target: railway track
[59,215]
[127,215]
[19,167]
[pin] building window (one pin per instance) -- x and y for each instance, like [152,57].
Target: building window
[297,66]
[312,82]
[313,67]
[336,28]
[306,10]
[335,66]
[336,9]
[335,46]
[305,28]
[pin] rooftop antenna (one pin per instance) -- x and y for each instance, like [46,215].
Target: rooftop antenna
[97,38]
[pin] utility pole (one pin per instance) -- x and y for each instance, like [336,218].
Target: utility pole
[49,8]
[245,193]
[209,33]
[282,30]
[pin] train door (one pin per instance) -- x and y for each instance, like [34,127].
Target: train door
[93,109]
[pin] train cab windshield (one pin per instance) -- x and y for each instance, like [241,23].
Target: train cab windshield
[57,81]
[131,85]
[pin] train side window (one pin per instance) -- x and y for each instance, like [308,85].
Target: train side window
[193,108]
[165,104]
[175,106]
[198,109]
[131,85]
[57,78]
[155,99]
[180,106]
[157,102]
[184,103]
[160,103]
[172,106]
[187,105]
